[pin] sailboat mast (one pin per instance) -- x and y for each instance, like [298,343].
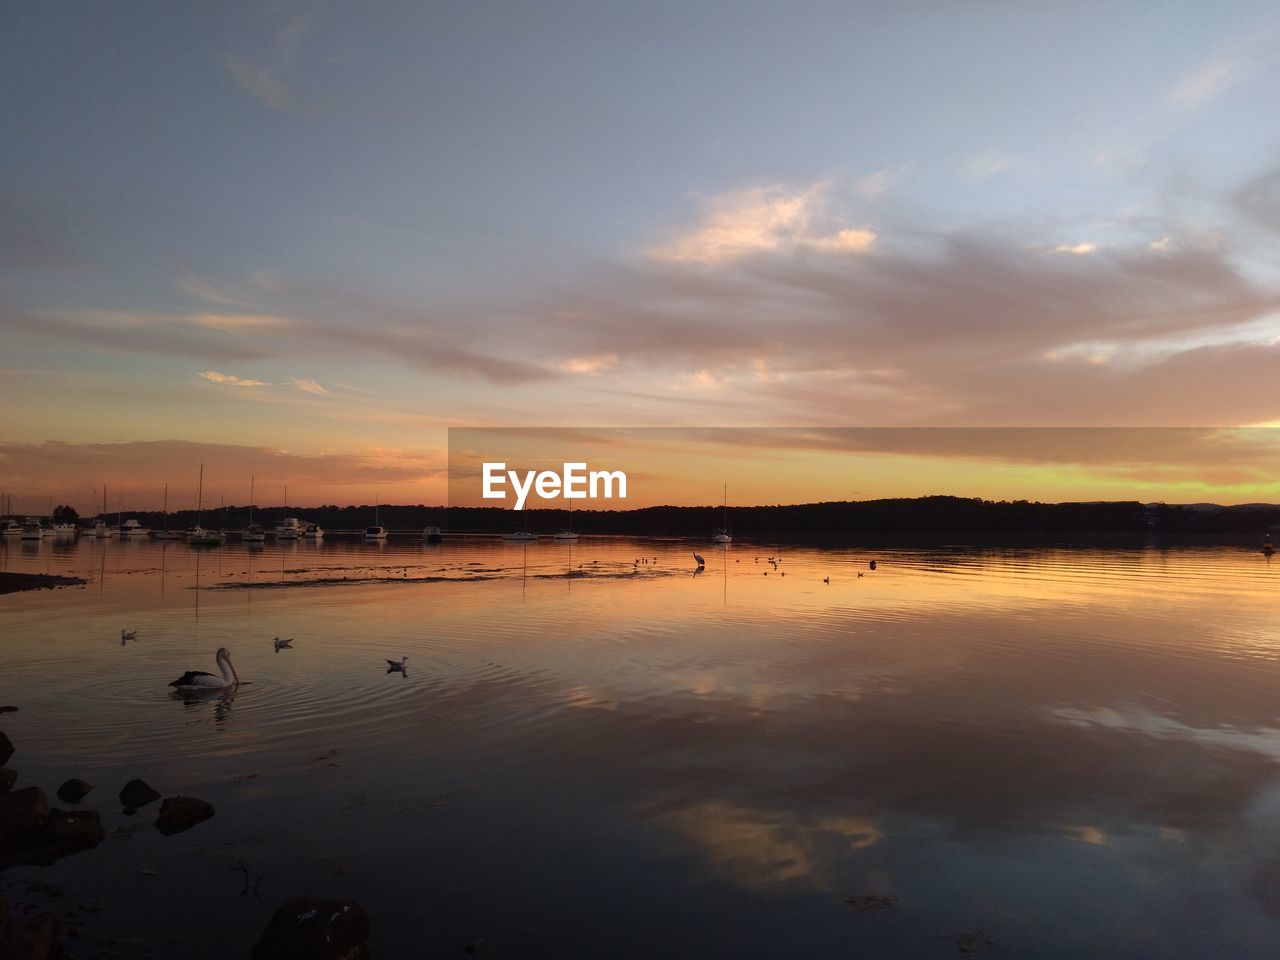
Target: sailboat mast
[200,496]
[166,506]
[251,499]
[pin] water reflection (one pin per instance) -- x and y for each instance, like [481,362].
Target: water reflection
[971,736]
[203,704]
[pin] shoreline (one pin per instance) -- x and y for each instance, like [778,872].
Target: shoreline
[19,582]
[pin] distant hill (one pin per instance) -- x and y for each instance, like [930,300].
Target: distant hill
[906,520]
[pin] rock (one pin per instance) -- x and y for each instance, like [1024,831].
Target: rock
[38,939]
[182,813]
[74,790]
[6,749]
[70,831]
[22,811]
[306,928]
[7,779]
[8,709]
[137,793]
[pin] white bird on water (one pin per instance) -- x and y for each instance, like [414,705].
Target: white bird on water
[283,644]
[397,666]
[200,680]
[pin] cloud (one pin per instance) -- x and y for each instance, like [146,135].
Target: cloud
[1079,249]
[988,165]
[139,470]
[230,380]
[588,365]
[264,83]
[196,287]
[875,185]
[261,83]
[307,385]
[1206,83]
[764,219]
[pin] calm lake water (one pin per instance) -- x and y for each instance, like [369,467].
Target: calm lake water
[1031,753]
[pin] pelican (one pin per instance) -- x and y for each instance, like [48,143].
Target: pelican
[199,680]
[128,635]
[397,666]
[282,644]
[701,562]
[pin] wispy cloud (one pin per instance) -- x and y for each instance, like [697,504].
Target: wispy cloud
[1208,82]
[308,385]
[203,290]
[261,83]
[597,363]
[230,380]
[1078,249]
[762,219]
[988,165]
[875,185]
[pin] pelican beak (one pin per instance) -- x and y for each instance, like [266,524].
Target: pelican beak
[233,670]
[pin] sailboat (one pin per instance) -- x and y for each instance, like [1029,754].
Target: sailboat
[198,536]
[253,533]
[377,531]
[722,535]
[100,529]
[290,528]
[568,533]
[166,533]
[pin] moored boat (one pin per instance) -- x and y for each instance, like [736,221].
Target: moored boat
[432,534]
[290,528]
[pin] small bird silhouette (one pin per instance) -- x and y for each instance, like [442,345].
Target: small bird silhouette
[826,579]
[282,644]
[128,634]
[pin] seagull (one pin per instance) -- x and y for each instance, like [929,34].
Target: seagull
[282,644]
[394,666]
[859,574]
[128,634]
[701,562]
[200,680]
[826,579]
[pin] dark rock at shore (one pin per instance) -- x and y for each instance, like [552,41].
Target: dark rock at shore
[307,928]
[137,793]
[33,835]
[182,813]
[22,811]
[15,582]
[7,779]
[37,939]
[74,790]
[70,831]
[6,749]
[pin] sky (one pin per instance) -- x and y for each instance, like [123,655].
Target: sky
[302,241]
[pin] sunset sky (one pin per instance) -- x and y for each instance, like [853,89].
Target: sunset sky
[303,240]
